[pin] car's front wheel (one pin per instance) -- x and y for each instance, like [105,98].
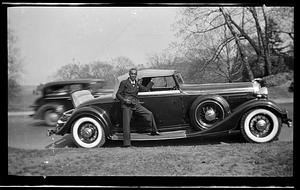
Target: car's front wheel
[260,126]
[87,132]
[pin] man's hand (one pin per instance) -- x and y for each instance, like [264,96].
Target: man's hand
[140,81]
[127,101]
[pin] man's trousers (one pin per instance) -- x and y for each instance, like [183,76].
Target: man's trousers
[139,111]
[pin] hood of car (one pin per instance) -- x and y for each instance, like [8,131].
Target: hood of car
[218,87]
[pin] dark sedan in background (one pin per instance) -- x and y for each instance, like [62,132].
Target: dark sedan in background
[56,97]
[180,110]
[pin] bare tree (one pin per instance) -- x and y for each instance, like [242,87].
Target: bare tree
[203,37]
[121,65]
[98,69]
[15,68]
[229,22]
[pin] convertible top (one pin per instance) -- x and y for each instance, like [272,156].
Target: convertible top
[142,74]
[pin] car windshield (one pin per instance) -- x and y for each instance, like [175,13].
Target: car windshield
[179,78]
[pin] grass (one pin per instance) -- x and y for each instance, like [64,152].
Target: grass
[236,159]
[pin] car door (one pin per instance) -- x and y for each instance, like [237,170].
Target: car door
[165,102]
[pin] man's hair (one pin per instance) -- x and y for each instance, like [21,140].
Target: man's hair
[135,69]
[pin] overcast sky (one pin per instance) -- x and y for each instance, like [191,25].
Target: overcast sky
[50,37]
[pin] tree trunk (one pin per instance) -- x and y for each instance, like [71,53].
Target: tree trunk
[267,48]
[262,39]
[243,57]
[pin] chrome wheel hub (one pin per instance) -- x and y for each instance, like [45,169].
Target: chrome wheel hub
[88,133]
[260,126]
[53,117]
[210,114]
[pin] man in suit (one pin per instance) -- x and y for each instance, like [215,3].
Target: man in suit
[128,95]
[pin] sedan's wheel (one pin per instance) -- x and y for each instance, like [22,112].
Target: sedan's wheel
[207,113]
[51,117]
[88,133]
[260,126]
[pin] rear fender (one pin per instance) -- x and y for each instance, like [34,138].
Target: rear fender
[98,113]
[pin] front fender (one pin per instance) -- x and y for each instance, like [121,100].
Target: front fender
[267,104]
[261,103]
[98,113]
[256,104]
[232,122]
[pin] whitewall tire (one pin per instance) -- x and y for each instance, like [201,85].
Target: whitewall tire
[88,133]
[260,126]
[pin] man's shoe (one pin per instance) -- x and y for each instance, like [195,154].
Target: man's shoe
[154,133]
[125,146]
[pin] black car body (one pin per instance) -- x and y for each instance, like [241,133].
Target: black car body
[180,110]
[56,97]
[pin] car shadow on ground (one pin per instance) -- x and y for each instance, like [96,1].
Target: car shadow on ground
[67,142]
[216,139]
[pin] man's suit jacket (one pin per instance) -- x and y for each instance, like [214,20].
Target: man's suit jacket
[129,91]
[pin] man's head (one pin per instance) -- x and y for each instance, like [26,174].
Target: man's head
[132,74]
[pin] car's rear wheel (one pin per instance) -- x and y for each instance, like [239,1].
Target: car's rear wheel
[87,132]
[51,117]
[207,112]
[260,126]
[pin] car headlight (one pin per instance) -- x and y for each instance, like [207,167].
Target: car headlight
[259,91]
[262,92]
[256,87]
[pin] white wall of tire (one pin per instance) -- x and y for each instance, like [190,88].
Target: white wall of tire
[97,142]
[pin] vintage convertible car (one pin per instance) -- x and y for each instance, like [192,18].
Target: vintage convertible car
[180,110]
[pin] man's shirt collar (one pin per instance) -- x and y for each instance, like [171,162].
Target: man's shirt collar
[132,82]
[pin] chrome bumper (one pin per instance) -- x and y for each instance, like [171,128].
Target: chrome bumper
[287,120]
[289,123]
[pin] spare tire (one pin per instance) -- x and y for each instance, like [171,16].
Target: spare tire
[207,111]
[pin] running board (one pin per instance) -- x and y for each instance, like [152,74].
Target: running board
[147,137]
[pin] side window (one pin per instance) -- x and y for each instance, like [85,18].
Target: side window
[159,82]
[57,90]
[163,83]
[170,82]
